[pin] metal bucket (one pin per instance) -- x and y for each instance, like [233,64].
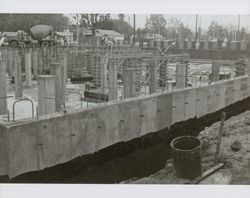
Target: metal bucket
[186,153]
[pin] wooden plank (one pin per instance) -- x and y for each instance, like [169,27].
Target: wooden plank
[197,180]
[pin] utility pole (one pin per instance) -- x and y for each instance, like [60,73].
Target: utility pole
[180,31]
[77,29]
[196,23]
[238,28]
[200,29]
[159,25]
[134,31]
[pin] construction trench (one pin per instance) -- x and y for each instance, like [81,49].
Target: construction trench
[52,132]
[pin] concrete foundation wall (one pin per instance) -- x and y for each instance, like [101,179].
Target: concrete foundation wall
[58,138]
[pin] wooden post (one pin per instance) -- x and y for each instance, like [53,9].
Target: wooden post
[223,116]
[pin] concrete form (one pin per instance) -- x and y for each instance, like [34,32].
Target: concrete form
[181,75]
[130,83]
[60,138]
[28,68]
[46,94]
[112,74]
[215,75]
[3,91]
[18,76]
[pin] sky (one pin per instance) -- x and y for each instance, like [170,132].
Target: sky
[189,20]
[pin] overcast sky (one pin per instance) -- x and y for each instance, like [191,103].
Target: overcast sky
[189,20]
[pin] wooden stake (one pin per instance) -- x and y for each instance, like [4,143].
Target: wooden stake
[198,179]
[223,116]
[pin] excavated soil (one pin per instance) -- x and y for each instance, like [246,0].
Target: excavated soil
[236,169]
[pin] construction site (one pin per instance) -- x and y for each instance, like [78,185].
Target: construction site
[167,114]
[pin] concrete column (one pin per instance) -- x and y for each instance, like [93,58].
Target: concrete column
[46,94]
[40,62]
[18,76]
[130,83]
[112,73]
[64,73]
[104,72]
[3,91]
[215,75]
[56,70]
[10,63]
[153,76]
[28,68]
[181,73]
[35,64]
[163,74]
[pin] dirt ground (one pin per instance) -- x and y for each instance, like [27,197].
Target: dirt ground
[236,169]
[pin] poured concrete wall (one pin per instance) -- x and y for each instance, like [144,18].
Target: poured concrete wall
[59,138]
